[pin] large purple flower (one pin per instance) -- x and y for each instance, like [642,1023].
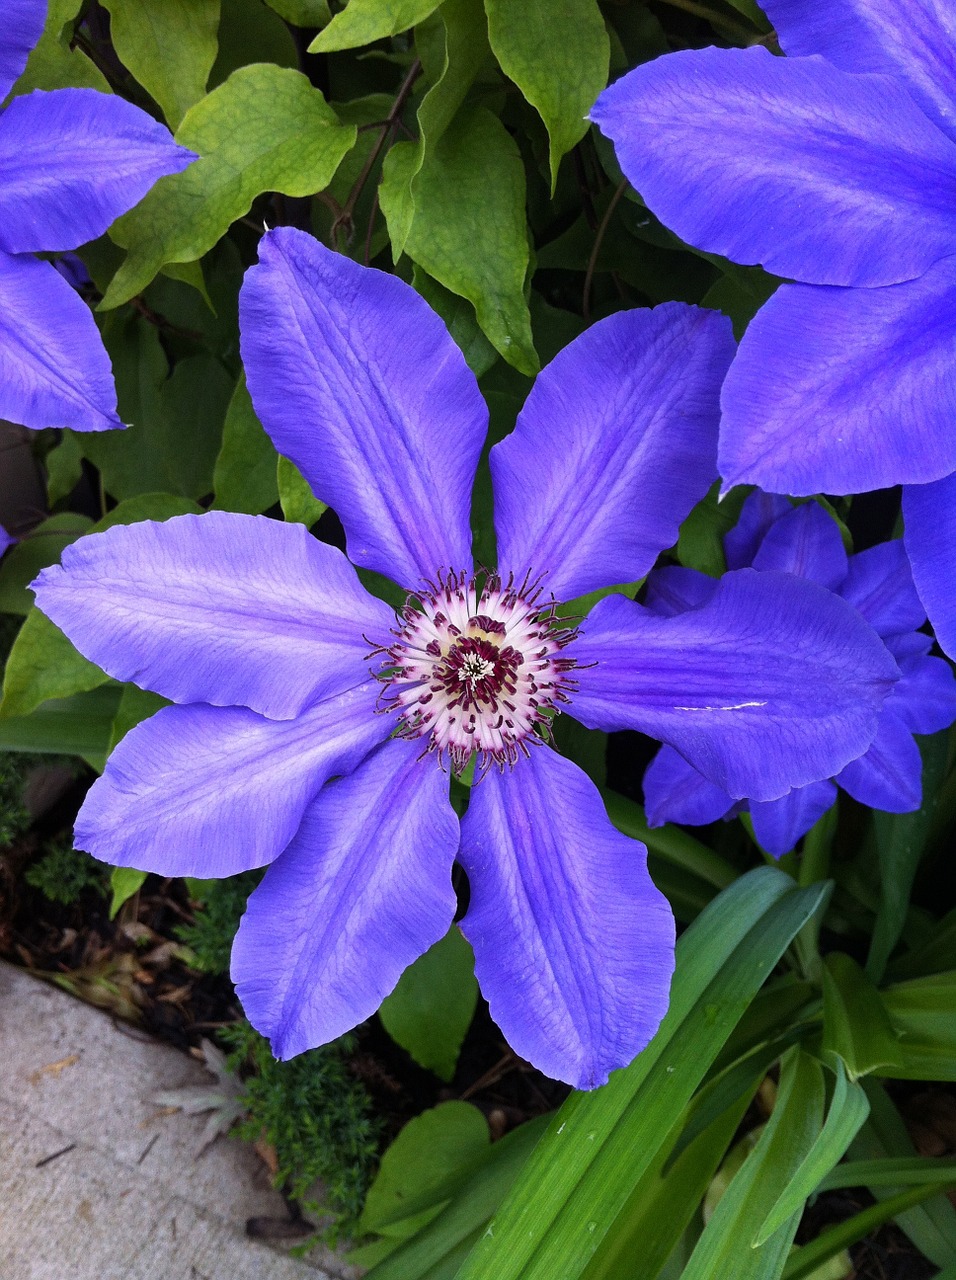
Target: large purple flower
[836,168]
[290,674]
[773,535]
[71,162]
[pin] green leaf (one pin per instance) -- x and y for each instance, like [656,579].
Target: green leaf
[250,32]
[740,294]
[902,1172]
[194,400]
[557,53]
[124,882]
[670,842]
[169,46]
[42,546]
[848,1109]
[921,1013]
[363,21]
[460,318]
[135,705]
[77,726]
[431,1009]
[468,229]
[701,542]
[43,665]
[601,1143]
[435,1252]
[419,1169]
[856,1025]
[296,498]
[302,13]
[244,478]
[453,47]
[727,1246]
[900,843]
[53,63]
[265,129]
[64,467]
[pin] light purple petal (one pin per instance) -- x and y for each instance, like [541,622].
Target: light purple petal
[879,583]
[915,40]
[818,175]
[359,383]
[6,540]
[805,542]
[929,514]
[54,371]
[22,27]
[925,697]
[776,682]
[72,161]
[674,791]
[210,791]
[889,776]
[675,589]
[779,824]
[223,608]
[573,943]
[845,390]
[362,891]
[759,512]
[614,446]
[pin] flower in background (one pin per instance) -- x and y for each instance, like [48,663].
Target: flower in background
[804,540]
[6,540]
[290,674]
[71,162]
[836,168]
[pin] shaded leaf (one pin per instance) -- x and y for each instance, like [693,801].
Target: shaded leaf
[296,498]
[40,547]
[244,478]
[77,726]
[856,1025]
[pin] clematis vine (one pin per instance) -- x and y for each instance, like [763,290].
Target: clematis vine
[834,167]
[71,161]
[315,727]
[773,535]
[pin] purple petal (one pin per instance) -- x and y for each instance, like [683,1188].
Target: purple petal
[22,27]
[915,40]
[890,775]
[759,512]
[674,791]
[209,791]
[359,383]
[675,589]
[72,161]
[925,697]
[879,583]
[818,175]
[807,543]
[362,891]
[573,943]
[779,824]
[614,446]
[798,419]
[228,609]
[6,540]
[929,514]
[54,371]
[776,682]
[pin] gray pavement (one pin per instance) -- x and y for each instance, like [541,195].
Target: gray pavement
[97,1182]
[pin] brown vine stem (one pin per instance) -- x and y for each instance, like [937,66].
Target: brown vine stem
[389,125]
[598,241]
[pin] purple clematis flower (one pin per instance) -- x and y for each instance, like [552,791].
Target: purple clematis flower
[773,535]
[71,162]
[6,540]
[313,723]
[836,168]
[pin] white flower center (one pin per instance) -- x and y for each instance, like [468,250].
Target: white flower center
[477,668]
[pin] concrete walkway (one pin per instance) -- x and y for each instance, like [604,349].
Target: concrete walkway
[99,1183]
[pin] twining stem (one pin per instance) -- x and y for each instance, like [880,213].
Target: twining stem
[598,241]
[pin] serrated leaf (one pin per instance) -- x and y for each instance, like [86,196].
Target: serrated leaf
[169,46]
[124,882]
[468,228]
[430,1010]
[40,547]
[557,53]
[417,1170]
[244,478]
[265,129]
[363,21]
[296,498]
